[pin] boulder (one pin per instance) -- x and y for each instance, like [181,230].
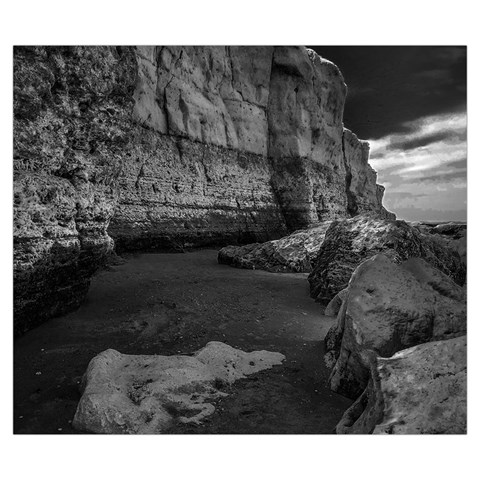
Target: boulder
[419,390]
[349,242]
[148,393]
[390,307]
[451,234]
[293,253]
[335,303]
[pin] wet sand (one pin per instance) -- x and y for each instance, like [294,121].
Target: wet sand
[177,303]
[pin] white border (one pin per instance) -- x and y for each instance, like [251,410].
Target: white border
[247,22]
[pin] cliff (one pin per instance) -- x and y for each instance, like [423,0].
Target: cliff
[170,147]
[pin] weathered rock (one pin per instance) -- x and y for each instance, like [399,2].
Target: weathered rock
[293,253]
[420,390]
[388,308]
[349,242]
[451,234]
[71,126]
[251,147]
[335,303]
[171,147]
[149,393]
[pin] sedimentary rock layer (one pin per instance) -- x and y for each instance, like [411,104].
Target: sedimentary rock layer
[72,129]
[251,146]
[171,147]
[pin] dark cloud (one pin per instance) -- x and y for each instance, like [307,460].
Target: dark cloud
[412,143]
[389,86]
[462,164]
[397,195]
[441,176]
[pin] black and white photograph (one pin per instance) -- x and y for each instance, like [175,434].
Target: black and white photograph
[217,241]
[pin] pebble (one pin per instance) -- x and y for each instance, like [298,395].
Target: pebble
[38,373]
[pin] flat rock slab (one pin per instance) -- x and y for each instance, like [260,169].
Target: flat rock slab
[148,393]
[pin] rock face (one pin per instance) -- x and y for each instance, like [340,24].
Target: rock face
[149,393]
[170,147]
[349,242]
[420,390]
[388,308]
[72,129]
[294,253]
[249,144]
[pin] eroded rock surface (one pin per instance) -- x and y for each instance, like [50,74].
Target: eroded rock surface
[251,146]
[141,394]
[72,129]
[349,242]
[453,234]
[420,390]
[390,307]
[293,253]
[168,148]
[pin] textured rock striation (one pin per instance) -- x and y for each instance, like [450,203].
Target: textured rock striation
[420,390]
[145,394]
[349,242]
[388,308]
[171,147]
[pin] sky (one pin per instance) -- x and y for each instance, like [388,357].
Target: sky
[409,103]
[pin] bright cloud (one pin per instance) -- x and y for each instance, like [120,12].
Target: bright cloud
[424,168]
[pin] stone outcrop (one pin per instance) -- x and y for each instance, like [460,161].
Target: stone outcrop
[349,242]
[294,253]
[72,129]
[388,308]
[420,390]
[145,394]
[171,147]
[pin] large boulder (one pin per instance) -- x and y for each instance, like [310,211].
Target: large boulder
[349,242]
[293,253]
[149,393]
[390,307]
[420,390]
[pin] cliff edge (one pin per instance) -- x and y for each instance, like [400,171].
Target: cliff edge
[171,147]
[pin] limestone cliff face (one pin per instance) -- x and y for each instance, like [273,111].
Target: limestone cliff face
[168,147]
[72,129]
[249,144]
